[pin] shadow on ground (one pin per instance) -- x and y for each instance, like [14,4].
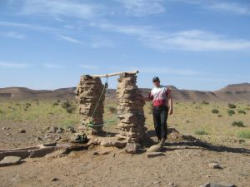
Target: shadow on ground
[178,141]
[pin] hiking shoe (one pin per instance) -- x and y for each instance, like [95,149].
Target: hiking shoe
[162,142]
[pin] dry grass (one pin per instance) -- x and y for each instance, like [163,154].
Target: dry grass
[188,118]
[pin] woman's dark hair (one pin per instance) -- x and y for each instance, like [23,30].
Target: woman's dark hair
[156,79]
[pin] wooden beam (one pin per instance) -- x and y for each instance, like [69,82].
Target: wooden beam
[115,74]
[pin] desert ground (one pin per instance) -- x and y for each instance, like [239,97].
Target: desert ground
[225,127]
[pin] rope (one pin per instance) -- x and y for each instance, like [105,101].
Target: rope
[91,124]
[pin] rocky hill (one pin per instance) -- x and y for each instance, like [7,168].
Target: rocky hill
[231,93]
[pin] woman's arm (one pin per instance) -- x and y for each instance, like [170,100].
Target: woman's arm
[170,105]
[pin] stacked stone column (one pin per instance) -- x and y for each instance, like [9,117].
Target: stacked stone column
[91,102]
[130,112]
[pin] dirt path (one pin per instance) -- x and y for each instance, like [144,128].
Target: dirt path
[181,166]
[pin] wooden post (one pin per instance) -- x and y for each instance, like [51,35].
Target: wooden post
[114,74]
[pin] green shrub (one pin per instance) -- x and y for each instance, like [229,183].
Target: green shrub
[55,103]
[231,112]
[244,134]
[205,102]
[201,132]
[232,106]
[238,124]
[68,107]
[215,111]
[242,112]
[112,109]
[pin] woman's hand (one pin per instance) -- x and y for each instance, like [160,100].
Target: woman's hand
[170,111]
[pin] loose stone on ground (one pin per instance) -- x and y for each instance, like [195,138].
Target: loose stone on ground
[10,160]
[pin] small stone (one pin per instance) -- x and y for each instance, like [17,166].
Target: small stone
[217,185]
[156,182]
[71,130]
[22,131]
[214,165]
[52,129]
[79,138]
[154,154]
[49,144]
[10,160]
[5,128]
[96,153]
[172,184]
[39,138]
[131,148]
[54,179]
[60,130]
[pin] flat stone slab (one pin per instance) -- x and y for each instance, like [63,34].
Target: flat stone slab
[10,160]
[154,154]
[155,148]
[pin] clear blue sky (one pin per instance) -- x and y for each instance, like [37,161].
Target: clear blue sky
[193,44]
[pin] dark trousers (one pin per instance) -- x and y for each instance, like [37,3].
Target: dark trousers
[160,116]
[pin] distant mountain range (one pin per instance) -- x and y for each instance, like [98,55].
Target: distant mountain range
[231,93]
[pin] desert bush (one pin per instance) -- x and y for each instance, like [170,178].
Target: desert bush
[66,104]
[56,103]
[219,115]
[112,109]
[232,106]
[215,111]
[242,112]
[201,132]
[205,102]
[238,124]
[68,107]
[244,134]
[231,112]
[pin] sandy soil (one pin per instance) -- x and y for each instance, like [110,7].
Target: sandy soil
[182,166]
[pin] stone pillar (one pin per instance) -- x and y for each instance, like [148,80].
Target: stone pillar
[130,112]
[90,97]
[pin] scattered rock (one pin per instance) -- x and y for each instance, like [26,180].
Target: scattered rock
[22,131]
[101,153]
[52,129]
[10,160]
[58,138]
[218,185]
[113,143]
[242,141]
[154,154]
[79,138]
[131,148]
[156,182]
[5,128]
[172,184]
[71,130]
[50,144]
[39,138]
[214,165]
[60,130]
[54,179]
